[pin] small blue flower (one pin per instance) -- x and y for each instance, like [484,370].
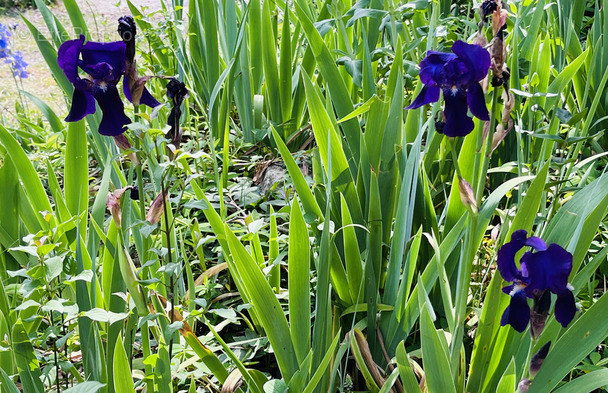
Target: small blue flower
[457,75]
[544,269]
[5,33]
[19,65]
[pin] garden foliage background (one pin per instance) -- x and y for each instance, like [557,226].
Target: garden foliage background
[307,232]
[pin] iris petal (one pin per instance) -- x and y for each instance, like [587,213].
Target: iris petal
[427,95]
[565,308]
[559,263]
[67,58]
[457,122]
[550,269]
[432,65]
[125,88]
[83,104]
[112,53]
[506,255]
[477,102]
[475,57]
[114,119]
[517,313]
[536,243]
[148,99]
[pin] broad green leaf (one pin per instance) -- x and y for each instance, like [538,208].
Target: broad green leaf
[299,284]
[323,128]
[27,362]
[586,383]
[86,387]
[434,356]
[29,178]
[309,203]
[76,169]
[410,383]
[268,307]
[508,381]
[123,381]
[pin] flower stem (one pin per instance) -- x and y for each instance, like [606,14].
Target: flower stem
[454,156]
[488,150]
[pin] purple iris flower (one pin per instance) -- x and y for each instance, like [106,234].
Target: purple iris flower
[457,75]
[104,64]
[544,270]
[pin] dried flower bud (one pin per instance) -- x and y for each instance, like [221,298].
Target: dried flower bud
[498,136]
[480,40]
[495,232]
[509,103]
[123,143]
[539,313]
[538,359]
[157,208]
[524,385]
[467,196]
[113,203]
[499,20]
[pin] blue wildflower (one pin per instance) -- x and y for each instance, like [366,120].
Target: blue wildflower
[5,33]
[18,64]
[457,75]
[544,270]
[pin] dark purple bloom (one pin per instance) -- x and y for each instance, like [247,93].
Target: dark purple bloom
[104,64]
[544,270]
[177,92]
[457,75]
[133,85]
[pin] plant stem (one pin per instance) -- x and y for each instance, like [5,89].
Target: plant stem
[488,150]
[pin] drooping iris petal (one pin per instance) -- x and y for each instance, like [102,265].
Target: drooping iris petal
[125,88]
[517,314]
[457,122]
[477,102]
[427,95]
[431,67]
[476,58]
[148,99]
[565,308]
[114,119]
[83,104]
[560,267]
